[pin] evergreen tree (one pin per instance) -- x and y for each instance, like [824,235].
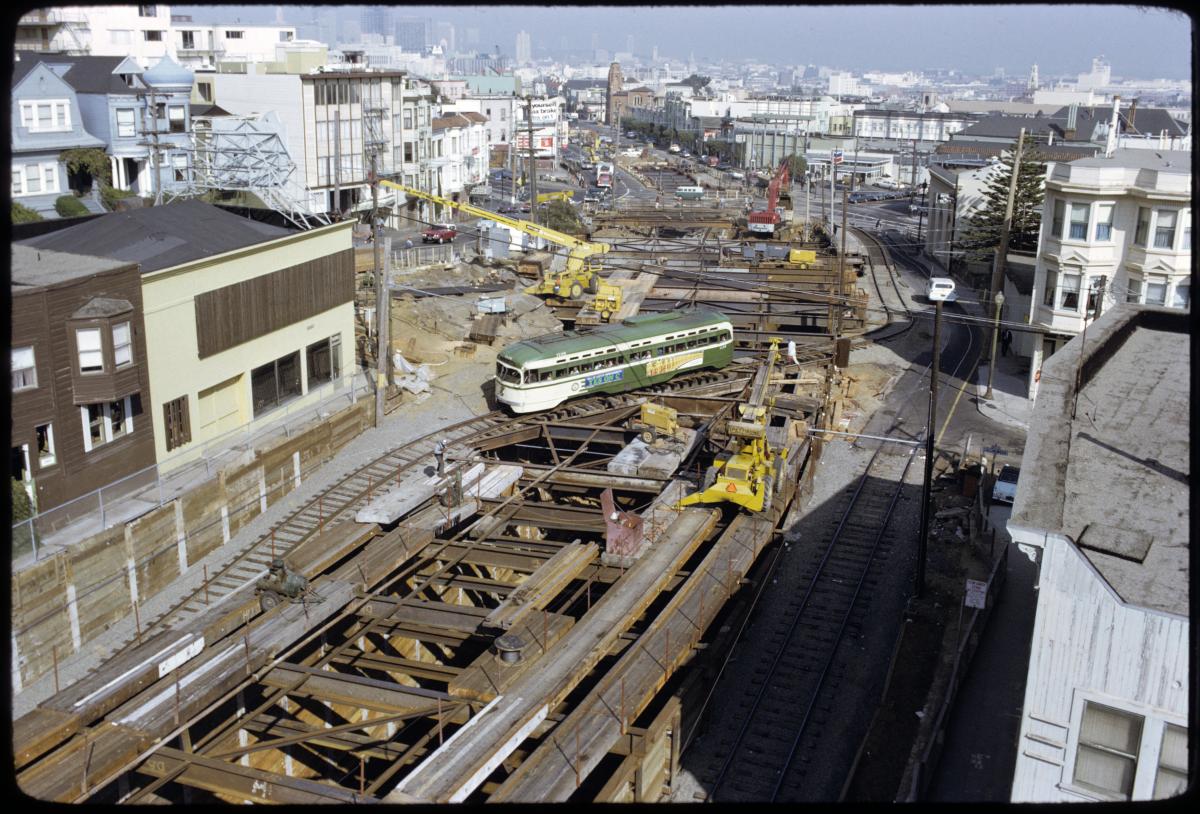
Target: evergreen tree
[981,238]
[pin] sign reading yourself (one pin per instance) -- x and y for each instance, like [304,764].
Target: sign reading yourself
[656,367]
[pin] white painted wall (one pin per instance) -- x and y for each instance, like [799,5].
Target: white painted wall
[175,368]
[1089,645]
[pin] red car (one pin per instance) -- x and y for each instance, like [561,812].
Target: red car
[439,233]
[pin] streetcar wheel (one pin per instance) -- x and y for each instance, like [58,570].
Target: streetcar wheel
[268,600]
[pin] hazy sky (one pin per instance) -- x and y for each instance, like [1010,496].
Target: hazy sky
[1139,42]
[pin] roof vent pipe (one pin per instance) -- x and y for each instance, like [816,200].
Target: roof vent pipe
[1113,127]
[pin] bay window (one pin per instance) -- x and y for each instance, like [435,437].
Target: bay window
[1051,288]
[1156,290]
[1070,292]
[1104,221]
[1142,232]
[46,115]
[1079,221]
[1164,229]
[122,344]
[1133,291]
[87,343]
[1183,294]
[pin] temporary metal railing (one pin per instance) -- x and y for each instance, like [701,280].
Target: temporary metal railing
[152,487]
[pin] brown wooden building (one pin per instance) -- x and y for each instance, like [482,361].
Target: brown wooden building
[81,383]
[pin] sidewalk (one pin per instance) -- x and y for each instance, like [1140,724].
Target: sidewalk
[1010,393]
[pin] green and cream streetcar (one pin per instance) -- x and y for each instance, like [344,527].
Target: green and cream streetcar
[545,371]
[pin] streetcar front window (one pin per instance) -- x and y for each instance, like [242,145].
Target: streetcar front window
[507,374]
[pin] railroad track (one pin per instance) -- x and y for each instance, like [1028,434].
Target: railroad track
[899,321]
[783,710]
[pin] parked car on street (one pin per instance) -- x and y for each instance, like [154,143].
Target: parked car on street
[439,233]
[1005,488]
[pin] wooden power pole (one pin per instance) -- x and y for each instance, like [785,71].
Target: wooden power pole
[1002,249]
[532,161]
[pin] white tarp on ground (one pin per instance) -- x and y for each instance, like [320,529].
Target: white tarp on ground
[413,378]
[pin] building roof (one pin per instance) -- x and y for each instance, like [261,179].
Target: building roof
[86,74]
[456,120]
[160,237]
[1148,120]
[1178,160]
[209,110]
[986,149]
[999,126]
[33,268]
[1116,478]
[168,73]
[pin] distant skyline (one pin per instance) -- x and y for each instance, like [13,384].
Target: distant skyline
[1141,42]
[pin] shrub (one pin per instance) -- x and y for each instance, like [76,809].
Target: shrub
[23,214]
[68,206]
[22,507]
[110,195]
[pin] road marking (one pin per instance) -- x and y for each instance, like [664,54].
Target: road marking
[961,390]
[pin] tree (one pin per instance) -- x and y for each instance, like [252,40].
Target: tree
[797,166]
[981,238]
[561,217]
[696,81]
[93,160]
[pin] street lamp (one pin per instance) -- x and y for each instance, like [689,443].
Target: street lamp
[995,333]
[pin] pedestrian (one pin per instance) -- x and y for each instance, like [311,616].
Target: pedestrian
[1005,341]
[878,223]
[408,244]
[791,351]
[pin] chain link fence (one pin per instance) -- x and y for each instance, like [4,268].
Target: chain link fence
[152,487]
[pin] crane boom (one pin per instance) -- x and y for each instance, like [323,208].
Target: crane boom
[580,250]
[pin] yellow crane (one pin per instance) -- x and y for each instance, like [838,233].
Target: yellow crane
[582,270]
[746,473]
[561,195]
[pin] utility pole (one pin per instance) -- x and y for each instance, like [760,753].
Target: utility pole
[1002,249]
[934,371]
[913,197]
[1083,345]
[532,161]
[337,169]
[381,298]
[995,334]
[841,303]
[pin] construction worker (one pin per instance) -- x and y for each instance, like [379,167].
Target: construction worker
[791,351]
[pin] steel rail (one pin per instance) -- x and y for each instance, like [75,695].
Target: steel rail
[800,614]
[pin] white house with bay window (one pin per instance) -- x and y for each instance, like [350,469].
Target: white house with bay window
[1118,223]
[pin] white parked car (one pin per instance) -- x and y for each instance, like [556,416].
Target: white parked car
[1005,488]
[941,289]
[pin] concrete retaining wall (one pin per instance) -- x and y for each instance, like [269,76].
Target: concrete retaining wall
[61,603]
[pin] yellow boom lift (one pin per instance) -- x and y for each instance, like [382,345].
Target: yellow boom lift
[582,270]
[745,474]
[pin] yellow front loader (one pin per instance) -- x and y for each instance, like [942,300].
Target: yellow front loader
[746,473]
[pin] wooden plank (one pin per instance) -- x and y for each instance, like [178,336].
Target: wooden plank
[423,612]
[247,784]
[357,691]
[540,588]
[40,730]
[62,780]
